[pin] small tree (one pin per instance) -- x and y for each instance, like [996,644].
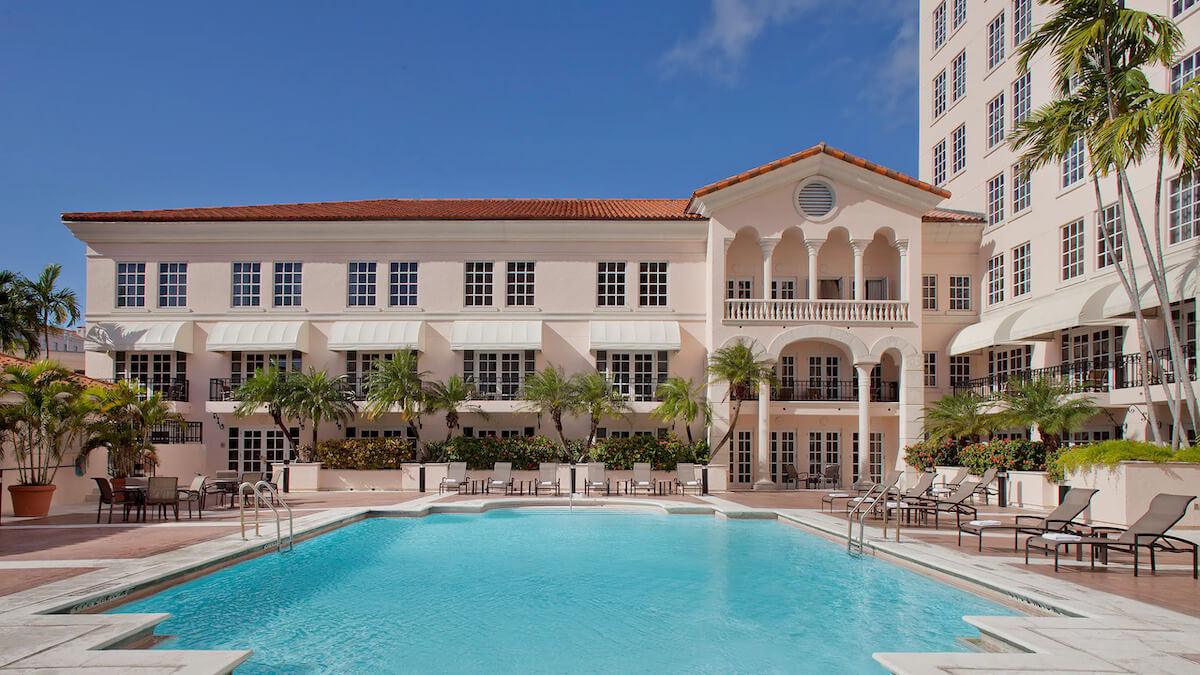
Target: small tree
[1049,405]
[682,401]
[744,372]
[318,397]
[454,397]
[597,398]
[273,389]
[45,412]
[125,419]
[962,417]
[53,305]
[550,392]
[396,384]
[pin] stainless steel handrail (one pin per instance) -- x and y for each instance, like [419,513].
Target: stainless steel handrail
[265,492]
[866,500]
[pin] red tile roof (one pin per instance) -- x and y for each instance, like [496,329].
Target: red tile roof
[417,209]
[7,360]
[953,216]
[811,152]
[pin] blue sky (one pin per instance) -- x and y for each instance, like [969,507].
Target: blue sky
[125,105]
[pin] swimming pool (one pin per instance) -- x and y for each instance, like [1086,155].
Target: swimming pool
[535,590]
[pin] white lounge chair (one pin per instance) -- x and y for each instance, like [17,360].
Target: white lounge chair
[547,478]
[596,480]
[501,478]
[643,479]
[455,479]
[685,478]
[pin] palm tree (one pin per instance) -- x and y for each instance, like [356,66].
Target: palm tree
[597,398]
[962,417]
[452,396]
[681,400]
[397,383]
[50,302]
[127,416]
[1048,405]
[550,392]
[18,318]
[318,397]
[744,372]
[271,388]
[45,413]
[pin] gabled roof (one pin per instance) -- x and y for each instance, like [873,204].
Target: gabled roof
[812,152]
[416,209]
[953,216]
[7,360]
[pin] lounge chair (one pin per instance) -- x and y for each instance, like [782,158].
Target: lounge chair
[955,503]
[194,494]
[501,478]
[831,475]
[985,482]
[915,492]
[792,475]
[547,478]
[109,496]
[949,485]
[163,491]
[685,477]
[455,478]
[596,479]
[1149,532]
[642,478]
[1058,520]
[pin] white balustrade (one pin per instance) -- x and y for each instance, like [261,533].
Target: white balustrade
[816,311]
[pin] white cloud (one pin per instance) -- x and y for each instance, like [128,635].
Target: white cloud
[893,81]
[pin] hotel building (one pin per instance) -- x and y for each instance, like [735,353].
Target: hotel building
[1052,303]
[849,276]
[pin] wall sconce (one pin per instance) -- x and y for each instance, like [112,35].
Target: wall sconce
[217,419]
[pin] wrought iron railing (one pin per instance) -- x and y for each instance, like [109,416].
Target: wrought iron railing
[177,432]
[171,388]
[223,388]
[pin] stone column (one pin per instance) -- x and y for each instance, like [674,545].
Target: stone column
[813,246]
[767,244]
[860,286]
[762,465]
[902,246]
[864,419]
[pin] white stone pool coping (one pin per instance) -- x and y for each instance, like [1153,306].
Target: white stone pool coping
[1091,631]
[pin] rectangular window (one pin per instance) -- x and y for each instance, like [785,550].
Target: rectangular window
[652,284]
[635,375]
[995,196]
[960,292]
[783,289]
[247,284]
[1072,164]
[1022,20]
[929,292]
[360,284]
[930,369]
[172,284]
[939,162]
[1110,237]
[1021,102]
[959,142]
[939,94]
[131,284]
[1020,270]
[995,279]
[996,41]
[995,118]
[958,71]
[959,13]
[402,284]
[477,284]
[960,371]
[497,375]
[939,25]
[610,284]
[1183,212]
[1072,250]
[289,284]
[1020,187]
[1180,6]
[743,452]
[739,288]
[1185,71]
[518,284]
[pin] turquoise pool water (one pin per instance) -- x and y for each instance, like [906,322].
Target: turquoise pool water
[535,591]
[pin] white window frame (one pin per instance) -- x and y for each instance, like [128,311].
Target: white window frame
[362,277]
[245,288]
[1022,103]
[958,141]
[1072,237]
[172,284]
[939,94]
[939,25]
[479,286]
[1184,71]
[736,286]
[1072,165]
[960,370]
[652,283]
[131,285]
[995,41]
[939,162]
[995,120]
[1021,269]
[960,293]
[1022,21]
[958,16]
[958,76]
[611,289]
[287,283]
[1109,218]
[519,280]
[929,284]
[995,199]
[1183,207]
[995,279]
[403,278]
[931,369]
[1022,197]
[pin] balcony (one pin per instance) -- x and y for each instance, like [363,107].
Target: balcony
[222,388]
[1096,375]
[1155,367]
[815,311]
[829,390]
[171,388]
[185,432]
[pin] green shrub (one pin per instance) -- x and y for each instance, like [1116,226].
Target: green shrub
[662,453]
[1010,455]
[928,454]
[1111,453]
[483,453]
[364,453]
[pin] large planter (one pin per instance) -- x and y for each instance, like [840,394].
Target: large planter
[31,501]
[1126,489]
[1030,489]
[302,476]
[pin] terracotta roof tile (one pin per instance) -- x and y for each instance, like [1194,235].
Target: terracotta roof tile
[953,216]
[7,360]
[417,209]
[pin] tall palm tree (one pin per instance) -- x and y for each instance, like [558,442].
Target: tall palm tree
[53,305]
[962,417]
[744,371]
[597,398]
[18,319]
[549,391]
[452,396]
[318,397]
[398,384]
[45,413]
[271,388]
[682,401]
[1047,404]
[126,417]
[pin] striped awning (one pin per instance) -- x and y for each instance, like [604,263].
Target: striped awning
[377,336]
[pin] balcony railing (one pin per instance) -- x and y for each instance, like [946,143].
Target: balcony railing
[185,432]
[816,311]
[1091,375]
[1155,367]
[827,390]
[171,388]
[223,388]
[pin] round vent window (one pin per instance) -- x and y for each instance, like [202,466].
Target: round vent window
[815,199]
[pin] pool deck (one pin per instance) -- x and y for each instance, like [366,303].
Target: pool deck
[53,568]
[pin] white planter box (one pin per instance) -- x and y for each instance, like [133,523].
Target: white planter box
[1030,489]
[351,479]
[1125,490]
[302,477]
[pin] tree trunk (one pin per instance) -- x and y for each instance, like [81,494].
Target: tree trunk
[737,411]
[688,426]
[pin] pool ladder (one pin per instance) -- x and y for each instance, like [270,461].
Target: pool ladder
[264,492]
[868,501]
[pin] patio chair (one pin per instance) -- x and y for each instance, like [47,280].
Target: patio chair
[831,475]
[685,478]
[547,478]
[222,491]
[226,475]
[455,478]
[111,497]
[596,479]
[501,478]
[643,479]
[985,482]
[950,484]
[1149,532]
[163,491]
[792,475]
[1058,520]
[955,503]
[194,493]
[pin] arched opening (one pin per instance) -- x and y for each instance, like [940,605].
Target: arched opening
[815,370]
[789,267]
[881,269]
[835,266]
[743,266]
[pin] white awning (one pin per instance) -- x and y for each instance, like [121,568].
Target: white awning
[496,335]
[258,336]
[377,336]
[1081,306]
[1183,282]
[995,330]
[630,335]
[145,336]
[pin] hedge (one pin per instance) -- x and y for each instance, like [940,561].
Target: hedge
[1010,455]
[662,453]
[363,453]
[1111,453]
[927,454]
[483,453]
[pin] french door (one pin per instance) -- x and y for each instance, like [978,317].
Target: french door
[783,453]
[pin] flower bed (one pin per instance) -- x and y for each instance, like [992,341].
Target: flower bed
[927,454]
[662,453]
[363,453]
[1010,455]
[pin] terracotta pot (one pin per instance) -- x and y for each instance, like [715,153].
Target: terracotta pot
[31,501]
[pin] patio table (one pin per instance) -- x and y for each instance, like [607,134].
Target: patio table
[136,495]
